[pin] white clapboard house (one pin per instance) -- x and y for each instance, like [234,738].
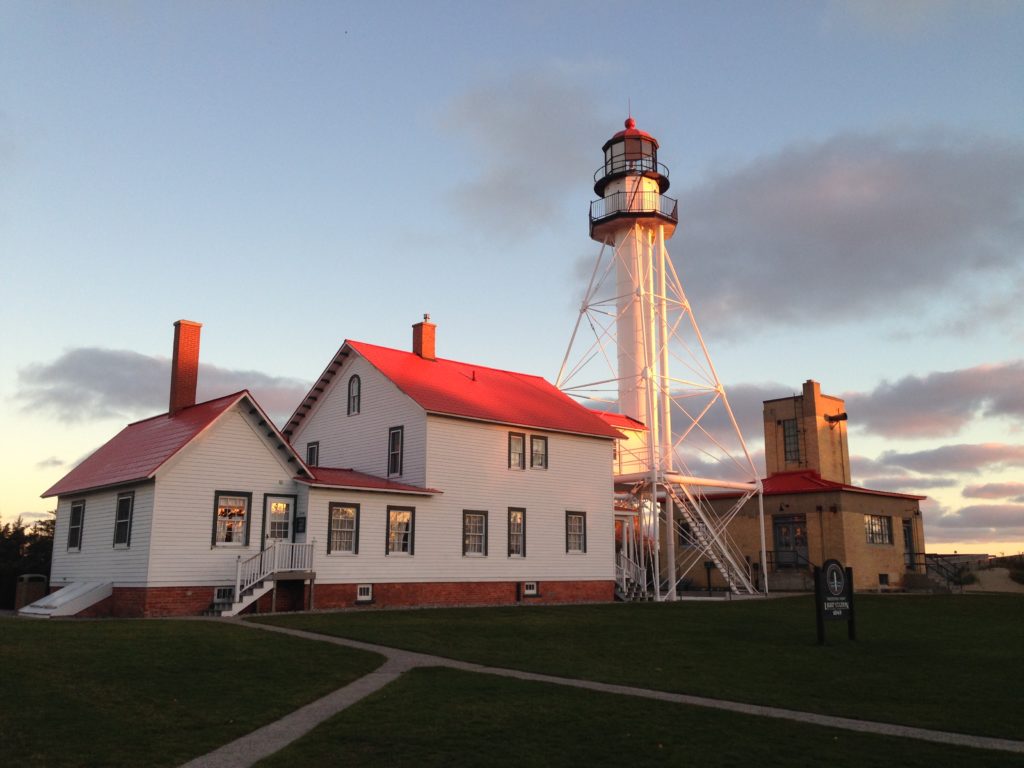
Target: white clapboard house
[401,479]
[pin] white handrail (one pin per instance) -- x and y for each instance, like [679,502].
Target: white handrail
[279,556]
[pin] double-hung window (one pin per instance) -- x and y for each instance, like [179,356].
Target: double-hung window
[516,532]
[231,518]
[76,524]
[790,440]
[313,454]
[878,529]
[123,519]
[343,528]
[516,450]
[474,533]
[538,452]
[355,394]
[576,532]
[395,440]
[401,531]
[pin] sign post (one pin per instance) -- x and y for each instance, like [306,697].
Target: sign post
[833,597]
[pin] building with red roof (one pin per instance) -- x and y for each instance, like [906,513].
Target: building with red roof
[402,478]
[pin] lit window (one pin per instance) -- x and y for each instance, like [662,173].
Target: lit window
[790,440]
[343,529]
[231,518]
[75,525]
[401,522]
[395,440]
[516,532]
[123,519]
[878,529]
[538,452]
[516,450]
[575,532]
[355,389]
[280,519]
[474,533]
[313,454]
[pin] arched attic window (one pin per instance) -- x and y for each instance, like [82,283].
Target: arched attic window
[354,395]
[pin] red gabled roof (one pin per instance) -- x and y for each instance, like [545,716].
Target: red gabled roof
[335,477]
[140,449]
[620,421]
[476,392]
[468,391]
[809,481]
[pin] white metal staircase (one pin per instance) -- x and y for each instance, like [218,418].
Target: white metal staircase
[713,541]
[254,576]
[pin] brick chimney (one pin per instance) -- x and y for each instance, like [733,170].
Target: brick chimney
[423,339]
[184,365]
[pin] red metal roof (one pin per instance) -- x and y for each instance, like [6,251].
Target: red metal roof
[469,391]
[334,477]
[632,131]
[620,421]
[140,449]
[809,481]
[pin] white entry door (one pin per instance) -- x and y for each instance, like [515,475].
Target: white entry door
[280,519]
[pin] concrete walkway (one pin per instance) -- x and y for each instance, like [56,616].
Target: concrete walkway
[265,741]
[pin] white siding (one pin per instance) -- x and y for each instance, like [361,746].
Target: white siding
[98,559]
[360,442]
[230,456]
[468,461]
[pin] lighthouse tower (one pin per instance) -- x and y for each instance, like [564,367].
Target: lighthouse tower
[637,351]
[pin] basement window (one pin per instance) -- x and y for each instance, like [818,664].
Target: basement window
[364,593]
[529,588]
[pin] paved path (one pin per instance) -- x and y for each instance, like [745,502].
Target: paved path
[250,749]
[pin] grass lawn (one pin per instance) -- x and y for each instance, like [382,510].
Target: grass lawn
[947,662]
[444,717]
[153,693]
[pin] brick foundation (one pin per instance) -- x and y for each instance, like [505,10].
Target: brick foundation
[456,593]
[150,602]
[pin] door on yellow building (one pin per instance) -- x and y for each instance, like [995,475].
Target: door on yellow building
[790,541]
[909,556]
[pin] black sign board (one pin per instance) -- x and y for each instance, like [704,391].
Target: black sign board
[833,597]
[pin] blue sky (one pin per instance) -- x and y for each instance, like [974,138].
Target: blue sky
[850,177]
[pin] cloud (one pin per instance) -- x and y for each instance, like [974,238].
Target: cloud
[904,483]
[857,224]
[1006,519]
[50,462]
[965,458]
[902,19]
[90,383]
[940,403]
[993,491]
[529,135]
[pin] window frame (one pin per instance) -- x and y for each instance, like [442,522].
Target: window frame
[247,495]
[466,515]
[542,440]
[521,463]
[313,453]
[72,527]
[878,530]
[582,533]
[393,455]
[129,497]
[355,395]
[412,532]
[790,440]
[521,534]
[338,505]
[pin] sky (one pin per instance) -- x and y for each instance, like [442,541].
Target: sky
[850,178]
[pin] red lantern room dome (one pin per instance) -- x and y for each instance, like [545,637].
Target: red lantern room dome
[630,152]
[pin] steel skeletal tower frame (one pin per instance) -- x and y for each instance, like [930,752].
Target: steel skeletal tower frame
[635,325]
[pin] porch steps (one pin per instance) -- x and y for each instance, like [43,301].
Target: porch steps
[249,596]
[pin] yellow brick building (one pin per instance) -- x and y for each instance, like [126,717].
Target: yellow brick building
[812,512]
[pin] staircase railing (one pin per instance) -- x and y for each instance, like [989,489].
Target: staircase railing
[627,573]
[279,556]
